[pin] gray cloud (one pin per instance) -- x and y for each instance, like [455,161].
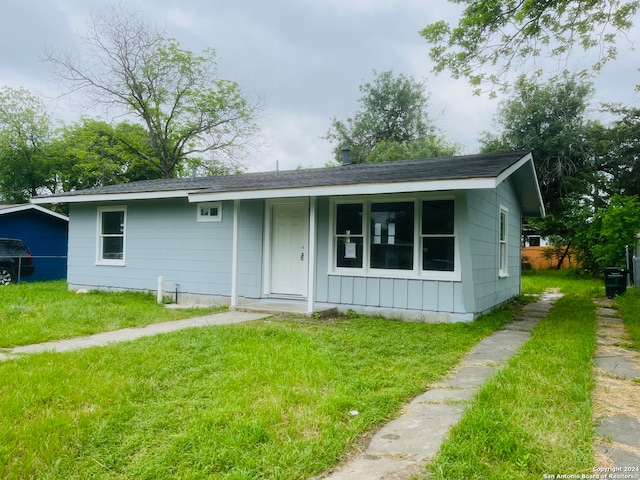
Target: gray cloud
[306,58]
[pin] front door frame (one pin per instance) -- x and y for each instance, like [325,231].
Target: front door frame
[269,246]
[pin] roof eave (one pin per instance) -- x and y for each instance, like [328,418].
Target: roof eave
[524,174]
[346,190]
[107,197]
[27,206]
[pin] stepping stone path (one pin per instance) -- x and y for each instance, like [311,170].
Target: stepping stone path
[616,396]
[400,449]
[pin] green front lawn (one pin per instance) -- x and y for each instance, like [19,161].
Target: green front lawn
[42,311]
[288,399]
[534,416]
[264,400]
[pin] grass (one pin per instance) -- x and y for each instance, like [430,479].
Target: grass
[629,309]
[265,400]
[277,399]
[534,416]
[568,281]
[42,311]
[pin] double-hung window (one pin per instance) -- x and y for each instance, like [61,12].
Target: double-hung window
[438,236]
[349,238]
[111,235]
[503,248]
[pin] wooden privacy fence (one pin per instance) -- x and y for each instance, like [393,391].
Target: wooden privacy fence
[541,258]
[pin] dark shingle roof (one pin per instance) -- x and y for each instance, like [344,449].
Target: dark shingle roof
[429,169]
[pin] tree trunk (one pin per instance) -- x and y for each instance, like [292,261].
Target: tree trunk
[564,255]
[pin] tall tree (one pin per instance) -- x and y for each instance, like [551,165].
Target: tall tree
[618,150]
[619,225]
[394,123]
[25,131]
[177,95]
[550,120]
[93,153]
[505,34]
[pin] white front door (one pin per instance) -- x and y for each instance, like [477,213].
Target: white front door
[289,262]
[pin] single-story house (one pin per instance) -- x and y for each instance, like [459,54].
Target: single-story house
[45,232]
[436,239]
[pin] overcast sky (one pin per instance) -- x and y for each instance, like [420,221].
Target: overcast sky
[306,58]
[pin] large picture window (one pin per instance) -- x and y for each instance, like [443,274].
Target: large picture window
[391,235]
[410,236]
[111,235]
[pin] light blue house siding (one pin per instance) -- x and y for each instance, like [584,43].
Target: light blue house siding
[480,287]
[164,239]
[231,238]
[483,210]
[408,297]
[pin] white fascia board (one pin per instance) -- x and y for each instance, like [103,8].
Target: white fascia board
[21,208]
[525,162]
[513,168]
[111,197]
[342,190]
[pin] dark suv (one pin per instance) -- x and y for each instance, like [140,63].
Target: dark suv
[14,255]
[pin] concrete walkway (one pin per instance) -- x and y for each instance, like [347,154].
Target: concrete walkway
[401,448]
[128,334]
[616,396]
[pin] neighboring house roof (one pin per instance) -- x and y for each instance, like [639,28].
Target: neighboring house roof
[431,174]
[23,207]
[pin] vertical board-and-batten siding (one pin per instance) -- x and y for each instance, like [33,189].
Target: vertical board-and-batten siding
[420,296]
[163,238]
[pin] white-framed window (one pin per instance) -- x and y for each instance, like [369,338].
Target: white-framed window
[438,235]
[209,212]
[349,235]
[111,235]
[391,238]
[503,237]
[401,237]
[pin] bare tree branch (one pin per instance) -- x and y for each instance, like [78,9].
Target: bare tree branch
[133,68]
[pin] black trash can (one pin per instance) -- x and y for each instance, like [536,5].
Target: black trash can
[615,281]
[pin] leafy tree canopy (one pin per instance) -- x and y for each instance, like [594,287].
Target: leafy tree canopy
[602,240]
[93,153]
[25,130]
[617,150]
[186,109]
[493,37]
[393,123]
[551,120]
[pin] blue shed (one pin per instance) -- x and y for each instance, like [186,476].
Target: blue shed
[46,234]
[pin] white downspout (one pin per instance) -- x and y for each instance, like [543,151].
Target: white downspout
[311,283]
